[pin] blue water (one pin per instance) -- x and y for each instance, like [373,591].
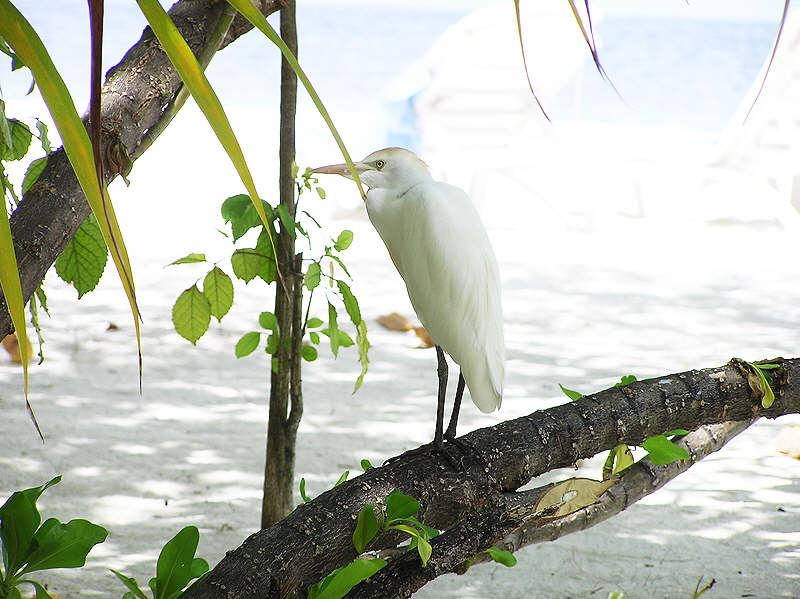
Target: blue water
[669,72]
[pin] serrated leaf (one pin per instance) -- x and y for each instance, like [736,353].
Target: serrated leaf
[268,321]
[60,545]
[363,352]
[309,353]
[247,344]
[366,528]
[400,506]
[35,169]
[314,323]
[350,302]
[218,289]
[312,276]
[192,258]
[20,141]
[174,567]
[333,329]
[344,240]
[191,314]
[251,263]
[84,259]
[501,556]
[573,395]
[43,139]
[340,582]
[662,451]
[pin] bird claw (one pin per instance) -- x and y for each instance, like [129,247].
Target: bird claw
[441,448]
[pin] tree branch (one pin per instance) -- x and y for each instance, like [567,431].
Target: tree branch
[478,506]
[140,96]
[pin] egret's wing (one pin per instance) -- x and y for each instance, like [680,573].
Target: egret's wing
[443,253]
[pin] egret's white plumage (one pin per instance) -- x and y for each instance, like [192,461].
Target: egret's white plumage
[437,241]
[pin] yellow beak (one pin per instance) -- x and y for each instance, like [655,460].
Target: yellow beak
[341,169]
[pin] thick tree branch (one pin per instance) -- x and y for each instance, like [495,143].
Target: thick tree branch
[477,506]
[141,94]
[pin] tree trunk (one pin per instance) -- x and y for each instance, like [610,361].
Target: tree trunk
[281,429]
[479,506]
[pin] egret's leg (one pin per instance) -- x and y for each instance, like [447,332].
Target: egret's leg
[442,372]
[450,433]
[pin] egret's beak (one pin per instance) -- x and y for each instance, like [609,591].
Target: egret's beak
[341,169]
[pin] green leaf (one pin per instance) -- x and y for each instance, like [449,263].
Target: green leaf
[83,260]
[63,545]
[35,169]
[425,550]
[312,276]
[19,519]
[321,193]
[272,345]
[41,592]
[345,579]
[663,451]
[239,211]
[309,353]
[769,397]
[251,263]
[314,337]
[350,302]
[678,432]
[625,380]
[131,583]
[363,352]
[333,330]
[192,258]
[5,129]
[400,506]
[199,567]
[573,395]
[365,464]
[338,261]
[366,528]
[191,314]
[501,556]
[305,497]
[342,478]
[174,567]
[342,338]
[247,344]
[268,321]
[286,220]
[43,139]
[344,240]
[20,141]
[218,289]
[314,323]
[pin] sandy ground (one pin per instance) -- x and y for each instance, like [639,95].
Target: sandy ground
[581,309]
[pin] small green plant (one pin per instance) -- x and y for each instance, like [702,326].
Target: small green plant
[194,308]
[660,448]
[32,546]
[176,568]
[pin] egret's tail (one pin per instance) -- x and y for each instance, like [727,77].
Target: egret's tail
[485,383]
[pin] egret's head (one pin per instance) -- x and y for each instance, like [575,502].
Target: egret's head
[387,168]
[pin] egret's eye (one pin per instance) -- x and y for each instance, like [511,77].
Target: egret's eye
[379,164]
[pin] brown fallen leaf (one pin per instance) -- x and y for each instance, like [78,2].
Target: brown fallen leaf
[788,441]
[395,322]
[424,337]
[11,345]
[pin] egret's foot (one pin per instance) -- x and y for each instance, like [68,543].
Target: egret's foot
[468,450]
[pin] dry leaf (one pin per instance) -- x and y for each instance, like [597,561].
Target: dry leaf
[572,495]
[788,441]
[395,322]
[11,345]
[424,337]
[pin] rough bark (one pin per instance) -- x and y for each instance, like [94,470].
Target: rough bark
[282,430]
[478,506]
[139,97]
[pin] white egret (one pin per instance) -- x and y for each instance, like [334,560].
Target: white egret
[439,245]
